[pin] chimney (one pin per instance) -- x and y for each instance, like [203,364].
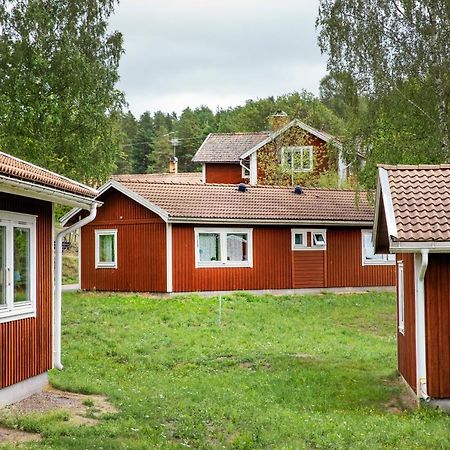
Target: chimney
[173,165]
[278,120]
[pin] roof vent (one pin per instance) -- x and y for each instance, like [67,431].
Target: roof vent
[242,187]
[298,190]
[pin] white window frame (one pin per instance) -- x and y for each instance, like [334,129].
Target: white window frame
[245,173]
[385,261]
[223,248]
[401,297]
[11,311]
[312,232]
[304,233]
[102,264]
[302,150]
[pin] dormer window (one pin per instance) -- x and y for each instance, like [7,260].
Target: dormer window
[298,159]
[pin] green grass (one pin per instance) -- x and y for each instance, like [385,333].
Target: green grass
[313,372]
[70,269]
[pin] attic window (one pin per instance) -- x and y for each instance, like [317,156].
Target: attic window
[298,159]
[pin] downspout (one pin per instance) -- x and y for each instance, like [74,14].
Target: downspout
[421,362]
[58,284]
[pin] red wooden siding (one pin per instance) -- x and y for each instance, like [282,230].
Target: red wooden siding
[437,320]
[271,263]
[224,173]
[141,248]
[344,262]
[26,345]
[406,343]
[308,269]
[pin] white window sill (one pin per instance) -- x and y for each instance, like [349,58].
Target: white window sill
[378,263]
[216,265]
[17,314]
[106,266]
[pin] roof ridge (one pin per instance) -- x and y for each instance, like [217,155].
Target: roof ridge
[413,166]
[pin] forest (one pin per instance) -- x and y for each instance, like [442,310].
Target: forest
[386,95]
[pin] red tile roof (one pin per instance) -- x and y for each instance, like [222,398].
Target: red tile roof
[228,147]
[421,201]
[21,170]
[187,177]
[259,203]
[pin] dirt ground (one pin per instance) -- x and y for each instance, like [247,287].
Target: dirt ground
[82,409]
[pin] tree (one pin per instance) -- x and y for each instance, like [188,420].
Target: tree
[158,159]
[58,104]
[142,143]
[128,130]
[382,43]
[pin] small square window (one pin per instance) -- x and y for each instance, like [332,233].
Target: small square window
[318,239]
[298,239]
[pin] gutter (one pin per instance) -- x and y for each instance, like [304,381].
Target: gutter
[58,284]
[421,361]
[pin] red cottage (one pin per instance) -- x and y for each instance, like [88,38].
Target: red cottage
[27,196]
[183,237]
[412,220]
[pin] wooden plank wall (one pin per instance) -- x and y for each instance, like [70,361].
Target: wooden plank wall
[26,345]
[141,248]
[437,320]
[406,343]
[344,262]
[308,269]
[224,173]
[271,263]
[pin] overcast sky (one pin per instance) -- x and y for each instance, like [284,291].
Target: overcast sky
[182,53]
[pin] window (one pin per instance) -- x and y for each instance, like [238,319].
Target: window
[245,165]
[17,266]
[303,239]
[400,298]
[368,252]
[106,249]
[223,247]
[297,159]
[298,239]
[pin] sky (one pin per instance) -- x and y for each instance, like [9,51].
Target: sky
[218,53]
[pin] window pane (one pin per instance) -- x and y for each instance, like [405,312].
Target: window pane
[298,239]
[297,159]
[307,160]
[209,246]
[237,248]
[21,265]
[2,265]
[107,250]
[369,250]
[318,239]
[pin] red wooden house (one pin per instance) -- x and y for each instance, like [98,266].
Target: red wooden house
[290,149]
[182,237]
[27,196]
[412,220]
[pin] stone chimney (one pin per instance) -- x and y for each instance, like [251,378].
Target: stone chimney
[278,120]
[173,164]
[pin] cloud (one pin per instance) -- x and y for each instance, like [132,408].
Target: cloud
[191,52]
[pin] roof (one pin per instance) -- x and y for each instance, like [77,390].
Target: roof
[17,169]
[232,147]
[187,177]
[228,147]
[417,200]
[224,203]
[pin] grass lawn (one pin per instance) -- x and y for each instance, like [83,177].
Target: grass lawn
[69,268]
[279,372]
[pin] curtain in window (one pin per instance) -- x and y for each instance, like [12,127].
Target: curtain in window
[2,265]
[237,248]
[106,248]
[21,264]
[209,246]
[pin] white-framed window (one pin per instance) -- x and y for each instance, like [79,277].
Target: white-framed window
[299,240]
[400,298]
[17,266]
[106,249]
[223,247]
[369,257]
[303,239]
[245,172]
[298,159]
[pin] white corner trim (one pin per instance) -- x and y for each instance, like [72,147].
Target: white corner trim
[23,389]
[169,258]
[387,200]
